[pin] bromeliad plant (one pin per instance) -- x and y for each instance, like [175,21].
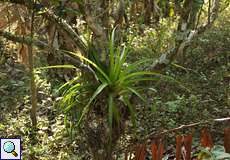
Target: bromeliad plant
[104,102]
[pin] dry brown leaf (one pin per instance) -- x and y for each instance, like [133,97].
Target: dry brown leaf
[23,54]
[3,23]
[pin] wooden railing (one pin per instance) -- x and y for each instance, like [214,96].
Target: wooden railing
[183,145]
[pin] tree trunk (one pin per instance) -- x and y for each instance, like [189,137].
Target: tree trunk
[32,78]
[100,140]
[148,10]
[105,16]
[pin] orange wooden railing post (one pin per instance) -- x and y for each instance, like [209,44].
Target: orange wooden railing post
[188,146]
[140,153]
[227,139]
[178,147]
[157,146]
[154,151]
[206,139]
[160,150]
[157,149]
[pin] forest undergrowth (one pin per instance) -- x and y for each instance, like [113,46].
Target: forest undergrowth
[205,71]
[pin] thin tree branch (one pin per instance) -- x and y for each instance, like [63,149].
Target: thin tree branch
[48,14]
[170,55]
[33,88]
[21,39]
[209,11]
[44,46]
[68,29]
[97,29]
[153,134]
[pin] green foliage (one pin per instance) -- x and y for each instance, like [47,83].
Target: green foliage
[12,84]
[154,41]
[115,81]
[205,69]
[216,153]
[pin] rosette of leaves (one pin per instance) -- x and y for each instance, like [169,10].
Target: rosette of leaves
[116,81]
[104,102]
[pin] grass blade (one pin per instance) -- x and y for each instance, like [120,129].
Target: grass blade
[95,94]
[67,83]
[131,109]
[136,93]
[57,66]
[142,79]
[92,63]
[111,51]
[135,74]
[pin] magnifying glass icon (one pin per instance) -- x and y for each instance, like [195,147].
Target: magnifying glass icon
[9,147]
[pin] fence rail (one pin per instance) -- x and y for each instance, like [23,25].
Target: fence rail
[183,142]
